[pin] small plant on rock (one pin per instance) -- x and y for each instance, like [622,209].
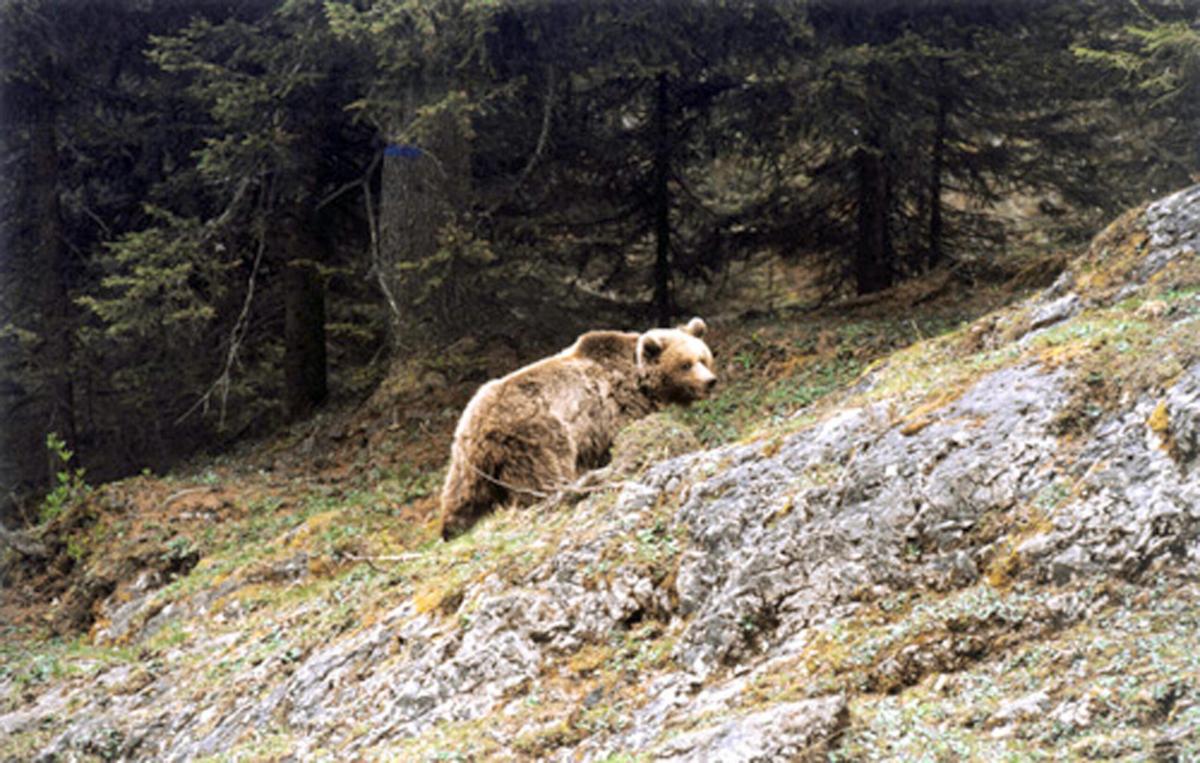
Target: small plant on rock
[69,486]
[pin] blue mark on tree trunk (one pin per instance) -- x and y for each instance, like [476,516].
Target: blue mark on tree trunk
[402,151]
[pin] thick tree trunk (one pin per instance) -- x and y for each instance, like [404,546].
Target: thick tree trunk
[304,359]
[52,263]
[936,167]
[874,256]
[425,186]
[662,206]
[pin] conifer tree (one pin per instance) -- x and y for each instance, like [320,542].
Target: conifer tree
[910,103]
[274,145]
[84,139]
[196,193]
[1149,56]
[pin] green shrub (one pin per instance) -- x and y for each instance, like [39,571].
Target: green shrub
[69,486]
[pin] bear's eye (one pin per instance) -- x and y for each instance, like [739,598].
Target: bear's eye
[685,366]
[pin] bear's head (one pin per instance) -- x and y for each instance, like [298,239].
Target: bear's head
[676,365]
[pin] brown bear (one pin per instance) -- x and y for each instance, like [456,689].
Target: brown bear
[536,430]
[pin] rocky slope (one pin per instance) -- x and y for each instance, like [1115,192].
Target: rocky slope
[985,547]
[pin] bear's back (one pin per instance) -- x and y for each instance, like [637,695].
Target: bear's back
[615,349]
[586,385]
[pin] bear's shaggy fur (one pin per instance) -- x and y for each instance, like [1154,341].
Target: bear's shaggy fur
[536,430]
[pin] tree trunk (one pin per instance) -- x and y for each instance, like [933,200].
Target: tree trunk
[662,207]
[874,255]
[52,263]
[936,167]
[304,360]
[425,185]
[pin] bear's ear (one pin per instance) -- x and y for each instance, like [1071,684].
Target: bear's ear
[696,327]
[649,348]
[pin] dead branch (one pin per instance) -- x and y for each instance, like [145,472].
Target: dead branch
[23,544]
[539,148]
[383,557]
[173,497]
[364,181]
[215,225]
[224,380]
[377,255]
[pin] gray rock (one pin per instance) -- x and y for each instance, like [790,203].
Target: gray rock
[748,575]
[1183,414]
[1057,311]
[1028,706]
[1173,224]
[789,731]
[1134,505]
[769,543]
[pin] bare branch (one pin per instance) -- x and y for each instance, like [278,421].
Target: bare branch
[377,255]
[217,223]
[96,219]
[383,557]
[223,382]
[363,181]
[185,492]
[540,147]
[23,544]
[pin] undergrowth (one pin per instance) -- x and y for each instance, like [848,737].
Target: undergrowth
[69,484]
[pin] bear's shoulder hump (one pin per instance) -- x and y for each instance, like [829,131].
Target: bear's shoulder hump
[607,346]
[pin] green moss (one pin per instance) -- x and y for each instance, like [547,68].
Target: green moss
[447,741]
[1133,667]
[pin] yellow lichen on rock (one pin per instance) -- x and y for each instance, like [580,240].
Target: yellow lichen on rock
[589,659]
[314,526]
[1113,254]
[1159,422]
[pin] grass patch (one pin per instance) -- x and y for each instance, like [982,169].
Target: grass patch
[1110,686]
[776,374]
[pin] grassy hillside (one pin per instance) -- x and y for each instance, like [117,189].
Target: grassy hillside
[226,578]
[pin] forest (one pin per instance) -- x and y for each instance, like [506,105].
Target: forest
[220,216]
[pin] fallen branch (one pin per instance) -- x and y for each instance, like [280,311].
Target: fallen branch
[584,486]
[409,557]
[181,493]
[23,544]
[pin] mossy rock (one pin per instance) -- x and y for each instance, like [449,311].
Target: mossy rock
[647,441]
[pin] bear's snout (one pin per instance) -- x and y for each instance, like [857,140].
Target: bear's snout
[703,382]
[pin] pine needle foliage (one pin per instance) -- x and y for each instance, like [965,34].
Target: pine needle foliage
[218,216]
